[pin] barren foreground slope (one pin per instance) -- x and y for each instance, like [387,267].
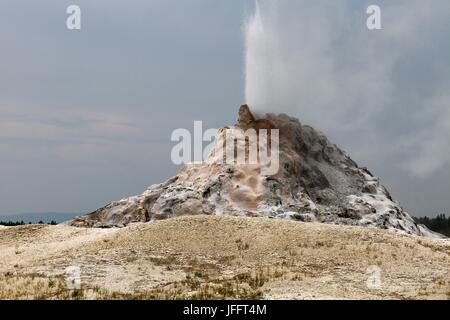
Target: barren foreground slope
[222,257]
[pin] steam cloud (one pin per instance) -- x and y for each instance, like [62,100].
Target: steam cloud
[383,94]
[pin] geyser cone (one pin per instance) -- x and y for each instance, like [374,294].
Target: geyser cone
[316,182]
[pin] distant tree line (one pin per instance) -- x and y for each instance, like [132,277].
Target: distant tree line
[21,223]
[439,224]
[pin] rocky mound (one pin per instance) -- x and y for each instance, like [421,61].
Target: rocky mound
[315,182]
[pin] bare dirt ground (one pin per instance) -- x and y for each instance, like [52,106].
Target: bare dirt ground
[204,257]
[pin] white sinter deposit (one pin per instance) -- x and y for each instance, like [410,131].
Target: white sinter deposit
[316,182]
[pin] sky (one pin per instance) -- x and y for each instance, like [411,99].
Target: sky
[86,115]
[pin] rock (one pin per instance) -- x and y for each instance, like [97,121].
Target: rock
[245,118]
[316,182]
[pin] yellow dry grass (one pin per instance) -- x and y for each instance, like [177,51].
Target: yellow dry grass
[204,257]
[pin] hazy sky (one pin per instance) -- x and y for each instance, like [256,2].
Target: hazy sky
[86,116]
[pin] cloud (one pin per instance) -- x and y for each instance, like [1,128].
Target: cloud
[432,145]
[381,94]
[69,134]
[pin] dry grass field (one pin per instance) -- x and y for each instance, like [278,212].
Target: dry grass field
[205,257]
